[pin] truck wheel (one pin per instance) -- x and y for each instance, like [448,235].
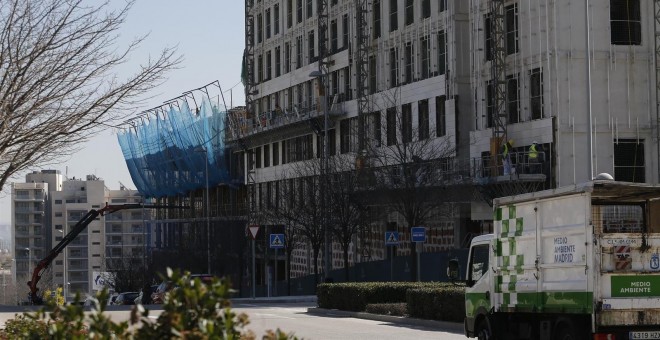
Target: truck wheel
[482,330]
[565,331]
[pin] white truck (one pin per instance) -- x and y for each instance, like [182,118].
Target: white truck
[580,262]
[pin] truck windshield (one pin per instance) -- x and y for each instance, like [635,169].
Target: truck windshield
[478,262]
[618,218]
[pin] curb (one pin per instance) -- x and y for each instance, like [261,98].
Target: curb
[454,327]
[276,299]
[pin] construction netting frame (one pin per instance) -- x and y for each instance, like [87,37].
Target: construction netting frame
[172,150]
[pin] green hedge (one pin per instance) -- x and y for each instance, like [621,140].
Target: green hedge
[446,303]
[354,296]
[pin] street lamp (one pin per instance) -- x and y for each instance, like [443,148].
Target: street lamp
[29,261]
[319,75]
[208,210]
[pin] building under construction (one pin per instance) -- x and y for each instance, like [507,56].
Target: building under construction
[412,102]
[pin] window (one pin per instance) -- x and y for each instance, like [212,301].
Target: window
[258,157]
[276,19]
[260,68]
[287,57]
[289,13]
[488,34]
[260,24]
[512,103]
[278,62]
[442,53]
[406,123]
[377,19]
[625,22]
[394,24]
[269,67]
[58,201]
[58,214]
[424,56]
[276,153]
[299,11]
[511,17]
[426,8]
[310,9]
[268,23]
[344,29]
[391,126]
[478,262]
[423,119]
[347,83]
[536,93]
[372,128]
[333,36]
[394,68]
[348,132]
[629,160]
[409,63]
[410,12]
[266,155]
[332,144]
[299,51]
[373,80]
[442,5]
[310,46]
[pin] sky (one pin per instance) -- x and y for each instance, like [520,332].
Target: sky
[210,36]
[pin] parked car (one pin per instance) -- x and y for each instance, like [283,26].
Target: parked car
[138,299]
[158,297]
[111,299]
[126,298]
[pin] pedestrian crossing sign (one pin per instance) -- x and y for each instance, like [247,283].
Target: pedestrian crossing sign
[277,241]
[391,238]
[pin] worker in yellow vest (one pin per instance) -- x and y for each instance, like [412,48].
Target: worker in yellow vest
[534,157]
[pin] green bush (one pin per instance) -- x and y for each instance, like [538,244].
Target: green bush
[355,296]
[395,309]
[192,311]
[445,303]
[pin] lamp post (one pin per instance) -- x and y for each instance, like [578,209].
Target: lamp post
[208,210]
[29,261]
[319,75]
[64,282]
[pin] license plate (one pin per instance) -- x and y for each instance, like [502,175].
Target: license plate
[644,335]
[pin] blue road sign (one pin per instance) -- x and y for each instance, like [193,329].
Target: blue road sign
[277,241]
[391,238]
[418,234]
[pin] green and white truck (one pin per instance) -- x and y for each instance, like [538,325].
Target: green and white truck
[581,262]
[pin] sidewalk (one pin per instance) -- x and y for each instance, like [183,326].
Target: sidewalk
[454,327]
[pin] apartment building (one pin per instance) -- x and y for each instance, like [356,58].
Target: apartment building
[579,81]
[48,206]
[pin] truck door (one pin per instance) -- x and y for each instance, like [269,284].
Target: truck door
[477,292]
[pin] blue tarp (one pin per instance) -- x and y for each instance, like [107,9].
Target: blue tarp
[169,154]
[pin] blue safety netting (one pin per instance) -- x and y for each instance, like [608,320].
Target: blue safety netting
[171,153]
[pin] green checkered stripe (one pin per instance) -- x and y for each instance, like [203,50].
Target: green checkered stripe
[507,227]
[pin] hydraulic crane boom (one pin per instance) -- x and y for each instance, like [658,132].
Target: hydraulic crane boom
[68,238]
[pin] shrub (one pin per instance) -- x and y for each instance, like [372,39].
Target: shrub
[355,296]
[192,311]
[394,309]
[445,303]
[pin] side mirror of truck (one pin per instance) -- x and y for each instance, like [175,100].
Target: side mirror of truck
[453,269]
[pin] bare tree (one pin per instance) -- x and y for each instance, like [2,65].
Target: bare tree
[58,78]
[303,209]
[128,274]
[408,167]
[346,211]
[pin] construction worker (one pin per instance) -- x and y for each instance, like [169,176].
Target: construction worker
[506,157]
[534,157]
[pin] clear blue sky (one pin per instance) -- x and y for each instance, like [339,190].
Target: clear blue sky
[209,34]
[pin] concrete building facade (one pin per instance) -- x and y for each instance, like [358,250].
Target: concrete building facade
[579,81]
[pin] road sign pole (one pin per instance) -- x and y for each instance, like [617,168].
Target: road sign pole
[391,263]
[419,266]
[254,271]
[275,275]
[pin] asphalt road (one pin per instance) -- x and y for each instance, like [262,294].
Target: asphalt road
[308,322]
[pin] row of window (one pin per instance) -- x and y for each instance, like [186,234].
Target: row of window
[398,129]
[512,94]
[268,23]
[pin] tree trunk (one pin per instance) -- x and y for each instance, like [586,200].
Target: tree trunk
[288,272]
[346,269]
[413,261]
